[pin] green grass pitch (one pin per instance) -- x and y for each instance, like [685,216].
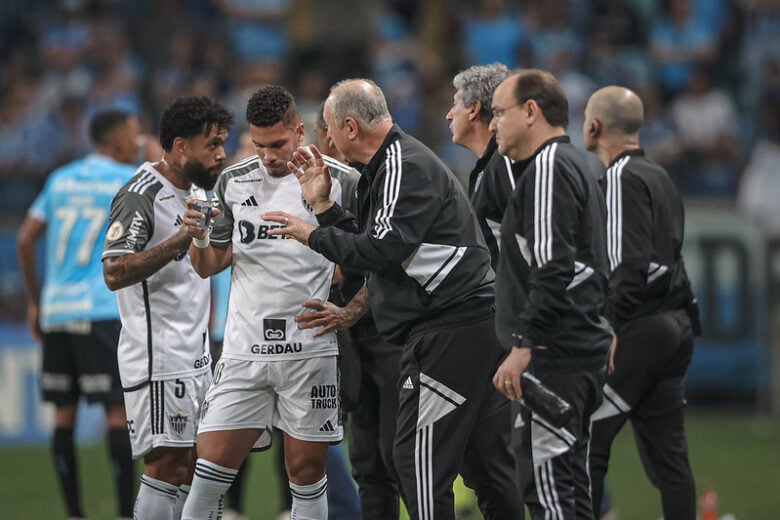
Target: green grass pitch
[737,455]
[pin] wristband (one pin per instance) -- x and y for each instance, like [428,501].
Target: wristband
[201,243]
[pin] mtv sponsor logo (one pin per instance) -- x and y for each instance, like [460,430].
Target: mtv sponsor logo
[274,329]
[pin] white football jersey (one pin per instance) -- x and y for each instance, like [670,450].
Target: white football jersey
[165,317]
[272,275]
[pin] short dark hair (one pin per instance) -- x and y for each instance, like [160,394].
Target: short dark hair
[269,105]
[542,87]
[190,117]
[103,123]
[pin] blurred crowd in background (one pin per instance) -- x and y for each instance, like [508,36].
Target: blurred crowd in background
[707,70]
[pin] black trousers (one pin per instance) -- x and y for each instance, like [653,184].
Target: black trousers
[647,388]
[552,463]
[451,419]
[372,428]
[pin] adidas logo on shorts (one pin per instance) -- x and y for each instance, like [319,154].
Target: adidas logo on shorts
[251,201]
[178,221]
[327,427]
[408,384]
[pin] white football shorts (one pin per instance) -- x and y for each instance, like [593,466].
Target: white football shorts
[165,413]
[300,397]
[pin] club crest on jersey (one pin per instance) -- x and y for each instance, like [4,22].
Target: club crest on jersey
[115,230]
[274,329]
[178,422]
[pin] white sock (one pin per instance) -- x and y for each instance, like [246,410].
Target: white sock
[181,497]
[309,502]
[207,489]
[155,499]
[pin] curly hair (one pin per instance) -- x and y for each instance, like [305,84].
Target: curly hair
[190,117]
[478,83]
[269,105]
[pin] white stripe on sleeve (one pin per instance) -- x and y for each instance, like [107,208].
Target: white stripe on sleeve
[615,213]
[543,191]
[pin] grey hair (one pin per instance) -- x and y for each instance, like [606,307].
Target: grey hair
[367,105]
[478,83]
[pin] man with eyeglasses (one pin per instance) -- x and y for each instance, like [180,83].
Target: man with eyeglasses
[550,288]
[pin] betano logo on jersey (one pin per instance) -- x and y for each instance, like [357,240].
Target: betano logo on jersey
[249,233]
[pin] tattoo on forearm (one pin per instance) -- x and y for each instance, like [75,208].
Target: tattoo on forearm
[359,303]
[131,269]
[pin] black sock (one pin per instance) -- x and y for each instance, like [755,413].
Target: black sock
[121,455]
[65,465]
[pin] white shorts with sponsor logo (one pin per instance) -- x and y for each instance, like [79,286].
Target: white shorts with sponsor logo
[299,397]
[165,413]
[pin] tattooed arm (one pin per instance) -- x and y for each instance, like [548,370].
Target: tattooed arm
[123,271]
[126,260]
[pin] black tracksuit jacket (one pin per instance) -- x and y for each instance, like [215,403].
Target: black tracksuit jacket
[417,238]
[491,183]
[552,273]
[645,225]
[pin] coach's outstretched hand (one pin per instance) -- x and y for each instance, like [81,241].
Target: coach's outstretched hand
[294,227]
[313,175]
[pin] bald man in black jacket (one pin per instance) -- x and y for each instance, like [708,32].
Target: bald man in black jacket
[649,303]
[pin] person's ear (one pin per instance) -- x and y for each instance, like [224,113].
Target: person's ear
[352,126]
[178,145]
[595,128]
[474,110]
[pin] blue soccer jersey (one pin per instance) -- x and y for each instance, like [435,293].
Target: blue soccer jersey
[75,204]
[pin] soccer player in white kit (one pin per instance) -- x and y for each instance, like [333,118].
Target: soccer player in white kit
[163,352]
[271,373]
